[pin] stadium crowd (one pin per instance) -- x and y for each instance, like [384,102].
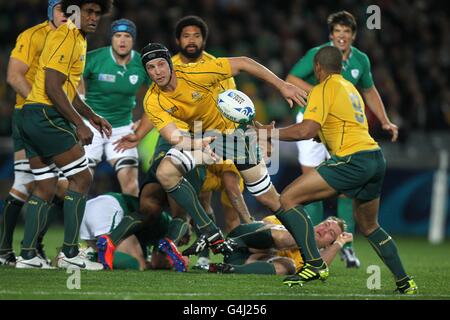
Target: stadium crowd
[410,54]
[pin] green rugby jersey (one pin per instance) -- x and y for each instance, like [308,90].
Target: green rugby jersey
[355,69]
[111,88]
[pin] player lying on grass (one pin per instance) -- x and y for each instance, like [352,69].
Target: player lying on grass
[266,247]
[219,177]
[152,199]
[105,212]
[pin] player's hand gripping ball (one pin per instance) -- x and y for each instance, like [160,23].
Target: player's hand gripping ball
[236,106]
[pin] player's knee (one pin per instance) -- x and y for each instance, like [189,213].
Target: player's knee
[126,163]
[270,199]
[81,181]
[368,228]
[23,179]
[129,181]
[167,174]
[283,265]
[288,201]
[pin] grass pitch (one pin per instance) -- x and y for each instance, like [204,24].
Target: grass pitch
[429,265]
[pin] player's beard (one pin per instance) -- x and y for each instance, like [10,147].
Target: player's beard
[192,55]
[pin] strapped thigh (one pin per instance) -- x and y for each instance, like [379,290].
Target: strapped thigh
[75,167]
[182,158]
[22,176]
[45,173]
[126,162]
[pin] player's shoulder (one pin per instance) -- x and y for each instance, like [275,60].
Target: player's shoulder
[99,52]
[360,55]
[64,31]
[43,28]
[152,94]
[314,50]
[208,56]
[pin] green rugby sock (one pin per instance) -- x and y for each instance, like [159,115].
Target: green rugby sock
[258,267]
[56,208]
[315,212]
[260,239]
[123,261]
[36,210]
[177,229]
[299,225]
[11,212]
[74,205]
[130,224]
[385,247]
[185,195]
[345,212]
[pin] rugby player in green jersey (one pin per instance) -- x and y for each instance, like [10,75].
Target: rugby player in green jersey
[356,69]
[113,76]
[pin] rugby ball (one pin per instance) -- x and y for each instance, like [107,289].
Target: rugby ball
[236,106]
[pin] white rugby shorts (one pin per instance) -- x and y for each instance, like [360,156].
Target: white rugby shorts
[102,145]
[101,216]
[310,152]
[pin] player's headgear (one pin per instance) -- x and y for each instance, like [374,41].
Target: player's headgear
[124,25]
[154,51]
[51,5]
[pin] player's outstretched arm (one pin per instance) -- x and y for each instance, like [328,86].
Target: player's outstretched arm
[132,140]
[305,130]
[102,125]
[375,104]
[302,84]
[291,93]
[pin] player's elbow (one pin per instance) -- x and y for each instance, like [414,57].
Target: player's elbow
[239,64]
[12,78]
[309,130]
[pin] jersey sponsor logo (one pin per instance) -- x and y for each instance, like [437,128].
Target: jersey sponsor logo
[107,77]
[134,79]
[196,95]
[121,73]
[355,73]
[172,110]
[61,58]
[82,57]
